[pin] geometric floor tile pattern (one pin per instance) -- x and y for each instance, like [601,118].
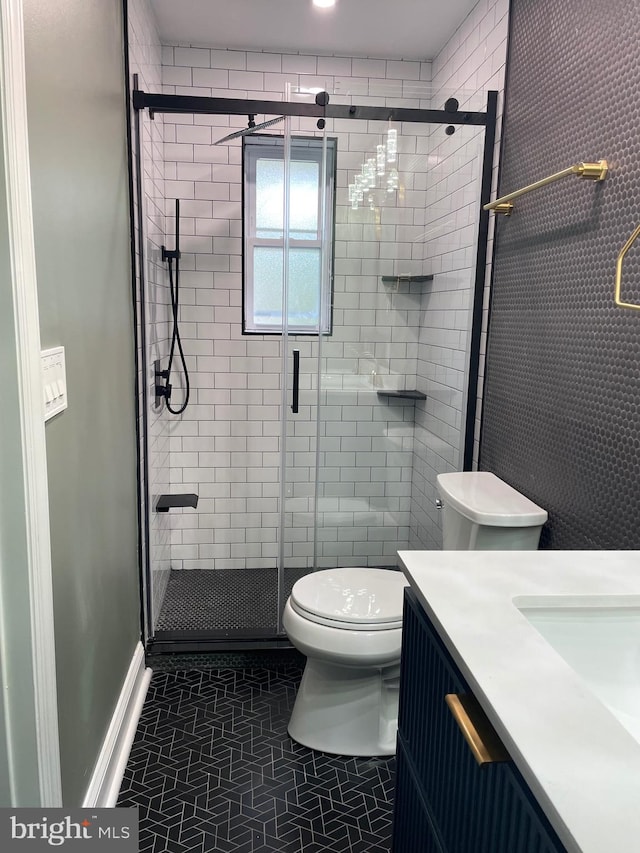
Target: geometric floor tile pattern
[212,770]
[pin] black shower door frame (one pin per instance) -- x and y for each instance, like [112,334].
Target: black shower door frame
[200,641]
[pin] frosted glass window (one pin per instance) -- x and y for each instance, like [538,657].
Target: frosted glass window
[310,234]
[269,198]
[303,302]
[267,286]
[304,199]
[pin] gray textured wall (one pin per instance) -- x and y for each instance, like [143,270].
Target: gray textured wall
[76,111]
[562,389]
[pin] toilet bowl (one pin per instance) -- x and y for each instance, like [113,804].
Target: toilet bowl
[348,622]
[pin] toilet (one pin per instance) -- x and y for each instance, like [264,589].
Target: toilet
[348,621]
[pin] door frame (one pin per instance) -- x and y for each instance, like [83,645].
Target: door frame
[27,648]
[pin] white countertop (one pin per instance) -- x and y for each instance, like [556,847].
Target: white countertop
[580,762]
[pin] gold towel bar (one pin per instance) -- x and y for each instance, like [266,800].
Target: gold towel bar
[593,171]
[623,252]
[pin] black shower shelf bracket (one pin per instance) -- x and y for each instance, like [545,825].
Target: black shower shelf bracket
[167,502]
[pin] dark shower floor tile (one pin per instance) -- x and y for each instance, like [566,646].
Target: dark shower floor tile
[213,769]
[223,599]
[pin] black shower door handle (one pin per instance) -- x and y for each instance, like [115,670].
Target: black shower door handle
[296,381]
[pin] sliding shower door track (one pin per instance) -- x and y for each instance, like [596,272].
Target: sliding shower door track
[200,105]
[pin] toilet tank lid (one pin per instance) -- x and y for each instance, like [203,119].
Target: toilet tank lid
[486,499]
[352,595]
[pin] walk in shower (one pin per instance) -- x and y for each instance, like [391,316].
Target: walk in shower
[331,278]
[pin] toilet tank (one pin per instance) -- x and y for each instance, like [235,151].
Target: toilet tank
[483,513]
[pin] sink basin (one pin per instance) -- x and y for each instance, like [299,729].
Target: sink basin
[599,637]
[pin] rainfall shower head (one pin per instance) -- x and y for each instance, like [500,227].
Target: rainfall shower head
[253,127]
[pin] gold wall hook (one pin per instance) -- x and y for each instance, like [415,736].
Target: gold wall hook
[623,251]
[592,171]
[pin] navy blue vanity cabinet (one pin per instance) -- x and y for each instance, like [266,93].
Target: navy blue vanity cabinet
[445,801]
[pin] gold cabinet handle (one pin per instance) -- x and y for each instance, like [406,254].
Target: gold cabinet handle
[623,252]
[483,741]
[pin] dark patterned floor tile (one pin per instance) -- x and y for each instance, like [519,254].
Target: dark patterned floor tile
[213,770]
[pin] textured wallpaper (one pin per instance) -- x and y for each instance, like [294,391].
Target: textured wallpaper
[562,394]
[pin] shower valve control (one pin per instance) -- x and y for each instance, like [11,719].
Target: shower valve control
[161,391]
[439,503]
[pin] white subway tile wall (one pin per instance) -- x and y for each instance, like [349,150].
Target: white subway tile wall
[378,460]
[364,442]
[471,64]
[145,61]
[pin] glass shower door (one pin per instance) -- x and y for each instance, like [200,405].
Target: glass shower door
[393,373]
[309,457]
[309,169]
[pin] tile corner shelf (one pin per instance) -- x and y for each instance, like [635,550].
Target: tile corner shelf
[394,279]
[402,395]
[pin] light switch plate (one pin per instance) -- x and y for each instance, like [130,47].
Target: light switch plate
[54,381]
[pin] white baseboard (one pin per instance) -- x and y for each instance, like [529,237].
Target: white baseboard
[107,775]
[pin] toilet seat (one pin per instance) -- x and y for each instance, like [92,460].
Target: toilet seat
[351,599]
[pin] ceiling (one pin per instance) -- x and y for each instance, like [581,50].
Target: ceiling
[402,29]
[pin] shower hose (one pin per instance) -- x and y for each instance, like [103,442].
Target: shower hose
[175,339]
